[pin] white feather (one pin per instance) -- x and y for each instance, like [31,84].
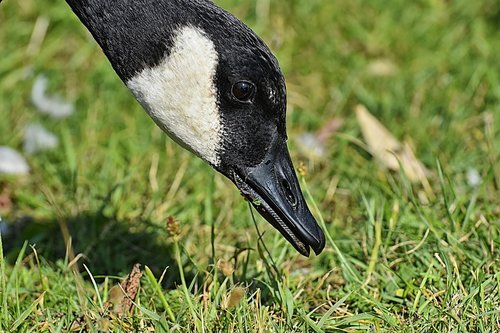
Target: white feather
[179,94]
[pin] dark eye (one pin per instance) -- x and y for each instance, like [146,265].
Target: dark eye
[243,91]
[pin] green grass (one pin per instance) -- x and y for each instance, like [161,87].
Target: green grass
[394,262]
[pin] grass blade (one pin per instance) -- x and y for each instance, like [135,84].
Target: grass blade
[96,288]
[157,288]
[26,313]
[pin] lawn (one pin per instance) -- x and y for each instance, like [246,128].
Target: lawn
[401,255]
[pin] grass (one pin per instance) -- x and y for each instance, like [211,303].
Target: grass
[398,258]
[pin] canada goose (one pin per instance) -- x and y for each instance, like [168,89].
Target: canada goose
[215,88]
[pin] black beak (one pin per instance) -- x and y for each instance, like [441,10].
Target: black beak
[273,189]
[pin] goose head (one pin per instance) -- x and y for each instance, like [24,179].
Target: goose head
[214,87]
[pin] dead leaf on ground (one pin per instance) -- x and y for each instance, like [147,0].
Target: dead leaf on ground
[234,297]
[121,297]
[391,153]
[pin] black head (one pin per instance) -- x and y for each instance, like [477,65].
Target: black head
[215,87]
[252,104]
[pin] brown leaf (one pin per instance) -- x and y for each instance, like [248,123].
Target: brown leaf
[384,147]
[414,169]
[121,296]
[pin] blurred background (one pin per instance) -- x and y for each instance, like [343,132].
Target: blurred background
[106,177]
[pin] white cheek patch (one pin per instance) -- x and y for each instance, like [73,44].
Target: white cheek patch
[179,93]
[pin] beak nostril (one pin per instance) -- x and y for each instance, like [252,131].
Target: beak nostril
[288,192]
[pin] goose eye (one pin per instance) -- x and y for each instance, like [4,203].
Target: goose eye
[243,90]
